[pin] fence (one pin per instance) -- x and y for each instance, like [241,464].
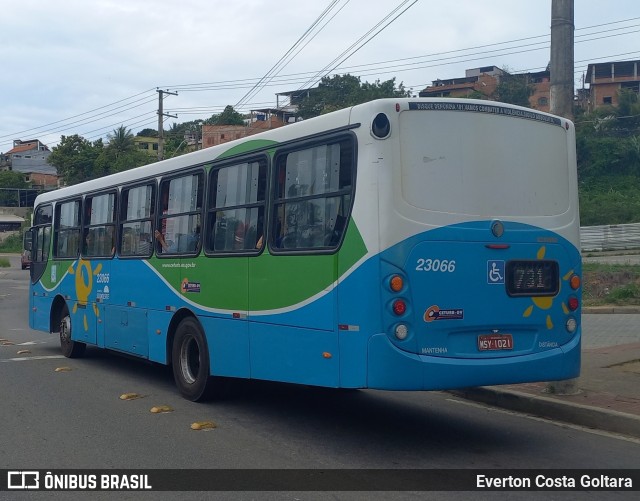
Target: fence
[610,237]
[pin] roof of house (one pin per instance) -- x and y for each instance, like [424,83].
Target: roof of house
[10,218]
[22,148]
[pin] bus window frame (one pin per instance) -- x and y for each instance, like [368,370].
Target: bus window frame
[38,266]
[253,157]
[152,218]
[275,201]
[197,170]
[85,227]
[56,227]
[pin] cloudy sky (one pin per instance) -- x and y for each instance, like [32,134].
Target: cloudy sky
[88,66]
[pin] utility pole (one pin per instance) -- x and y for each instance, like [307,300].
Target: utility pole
[161,116]
[562,29]
[562,93]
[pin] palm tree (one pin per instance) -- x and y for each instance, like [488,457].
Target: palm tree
[121,141]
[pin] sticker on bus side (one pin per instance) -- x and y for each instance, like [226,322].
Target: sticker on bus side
[190,286]
[435,313]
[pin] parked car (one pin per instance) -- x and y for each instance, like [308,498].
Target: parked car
[25,259]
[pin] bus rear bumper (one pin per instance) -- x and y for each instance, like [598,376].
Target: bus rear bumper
[392,369]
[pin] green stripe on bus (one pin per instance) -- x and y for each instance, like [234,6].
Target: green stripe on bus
[248,147]
[276,281]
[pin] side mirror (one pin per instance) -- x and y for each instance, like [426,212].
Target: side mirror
[27,239]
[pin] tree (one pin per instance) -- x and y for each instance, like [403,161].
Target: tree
[608,153]
[341,91]
[147,133]
[77,159]
[120,154]
[120,141]
[13,180]
[74,158]
[228,117]
[514,89]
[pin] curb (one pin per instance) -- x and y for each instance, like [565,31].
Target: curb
[551,408]
[610,309]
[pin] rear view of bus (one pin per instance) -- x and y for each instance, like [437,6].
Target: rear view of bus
[479,246]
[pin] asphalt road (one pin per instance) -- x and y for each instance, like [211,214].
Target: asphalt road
[74,418]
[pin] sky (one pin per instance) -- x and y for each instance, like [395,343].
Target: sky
[88,67]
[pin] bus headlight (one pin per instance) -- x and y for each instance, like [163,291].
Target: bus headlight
[571,325]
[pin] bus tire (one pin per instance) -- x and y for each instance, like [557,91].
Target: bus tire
[69,347]
[190,360]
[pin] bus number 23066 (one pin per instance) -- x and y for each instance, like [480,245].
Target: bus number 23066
[438,265]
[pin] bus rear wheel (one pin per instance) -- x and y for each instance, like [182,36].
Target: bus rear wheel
[70,348]
[190,357]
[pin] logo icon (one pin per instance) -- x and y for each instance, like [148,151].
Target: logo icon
[23,480]
[495,272]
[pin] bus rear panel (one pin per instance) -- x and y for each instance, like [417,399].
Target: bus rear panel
[479,266]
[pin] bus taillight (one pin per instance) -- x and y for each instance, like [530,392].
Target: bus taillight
[399,307]
[575,282]
[573,303]
[396,283]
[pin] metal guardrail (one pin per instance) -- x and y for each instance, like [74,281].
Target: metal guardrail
[610,237]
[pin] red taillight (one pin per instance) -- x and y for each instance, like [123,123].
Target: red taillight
[573,303]
[399,307]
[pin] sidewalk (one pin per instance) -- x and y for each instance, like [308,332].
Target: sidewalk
[606,396]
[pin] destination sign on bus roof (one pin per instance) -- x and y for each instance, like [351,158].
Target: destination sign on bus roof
[485,108]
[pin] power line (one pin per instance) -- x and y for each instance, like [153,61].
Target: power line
[288,56]
[75,116]
[358,44]
[391,66]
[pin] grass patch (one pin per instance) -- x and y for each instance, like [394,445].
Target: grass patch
[12,243]
[4,262]
[617,284]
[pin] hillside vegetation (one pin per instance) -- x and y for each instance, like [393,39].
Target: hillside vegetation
[608,150]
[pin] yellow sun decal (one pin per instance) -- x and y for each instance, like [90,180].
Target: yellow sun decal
[84,285]
[546,302]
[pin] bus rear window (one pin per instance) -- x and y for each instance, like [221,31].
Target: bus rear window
[476,164]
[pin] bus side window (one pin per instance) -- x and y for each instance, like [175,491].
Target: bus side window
[99,235]
[136,216]
[312,199]
[180,214]
[67,229]
[235,220]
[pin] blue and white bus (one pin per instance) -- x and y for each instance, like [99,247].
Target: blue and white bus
[402,244]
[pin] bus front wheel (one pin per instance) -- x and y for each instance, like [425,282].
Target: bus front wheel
[190,358]
[70,348]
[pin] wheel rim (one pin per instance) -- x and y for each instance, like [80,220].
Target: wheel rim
[190,360]
[65,330]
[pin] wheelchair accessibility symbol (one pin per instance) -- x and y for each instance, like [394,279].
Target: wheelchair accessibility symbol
[495,272]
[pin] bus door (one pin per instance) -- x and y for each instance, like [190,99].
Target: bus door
[40,300]
[120,299]
[82,302]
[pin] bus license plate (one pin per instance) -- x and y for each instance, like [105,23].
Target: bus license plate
[495,342]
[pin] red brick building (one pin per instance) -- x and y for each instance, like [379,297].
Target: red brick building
[213,135]
[482,83]
[606,80]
